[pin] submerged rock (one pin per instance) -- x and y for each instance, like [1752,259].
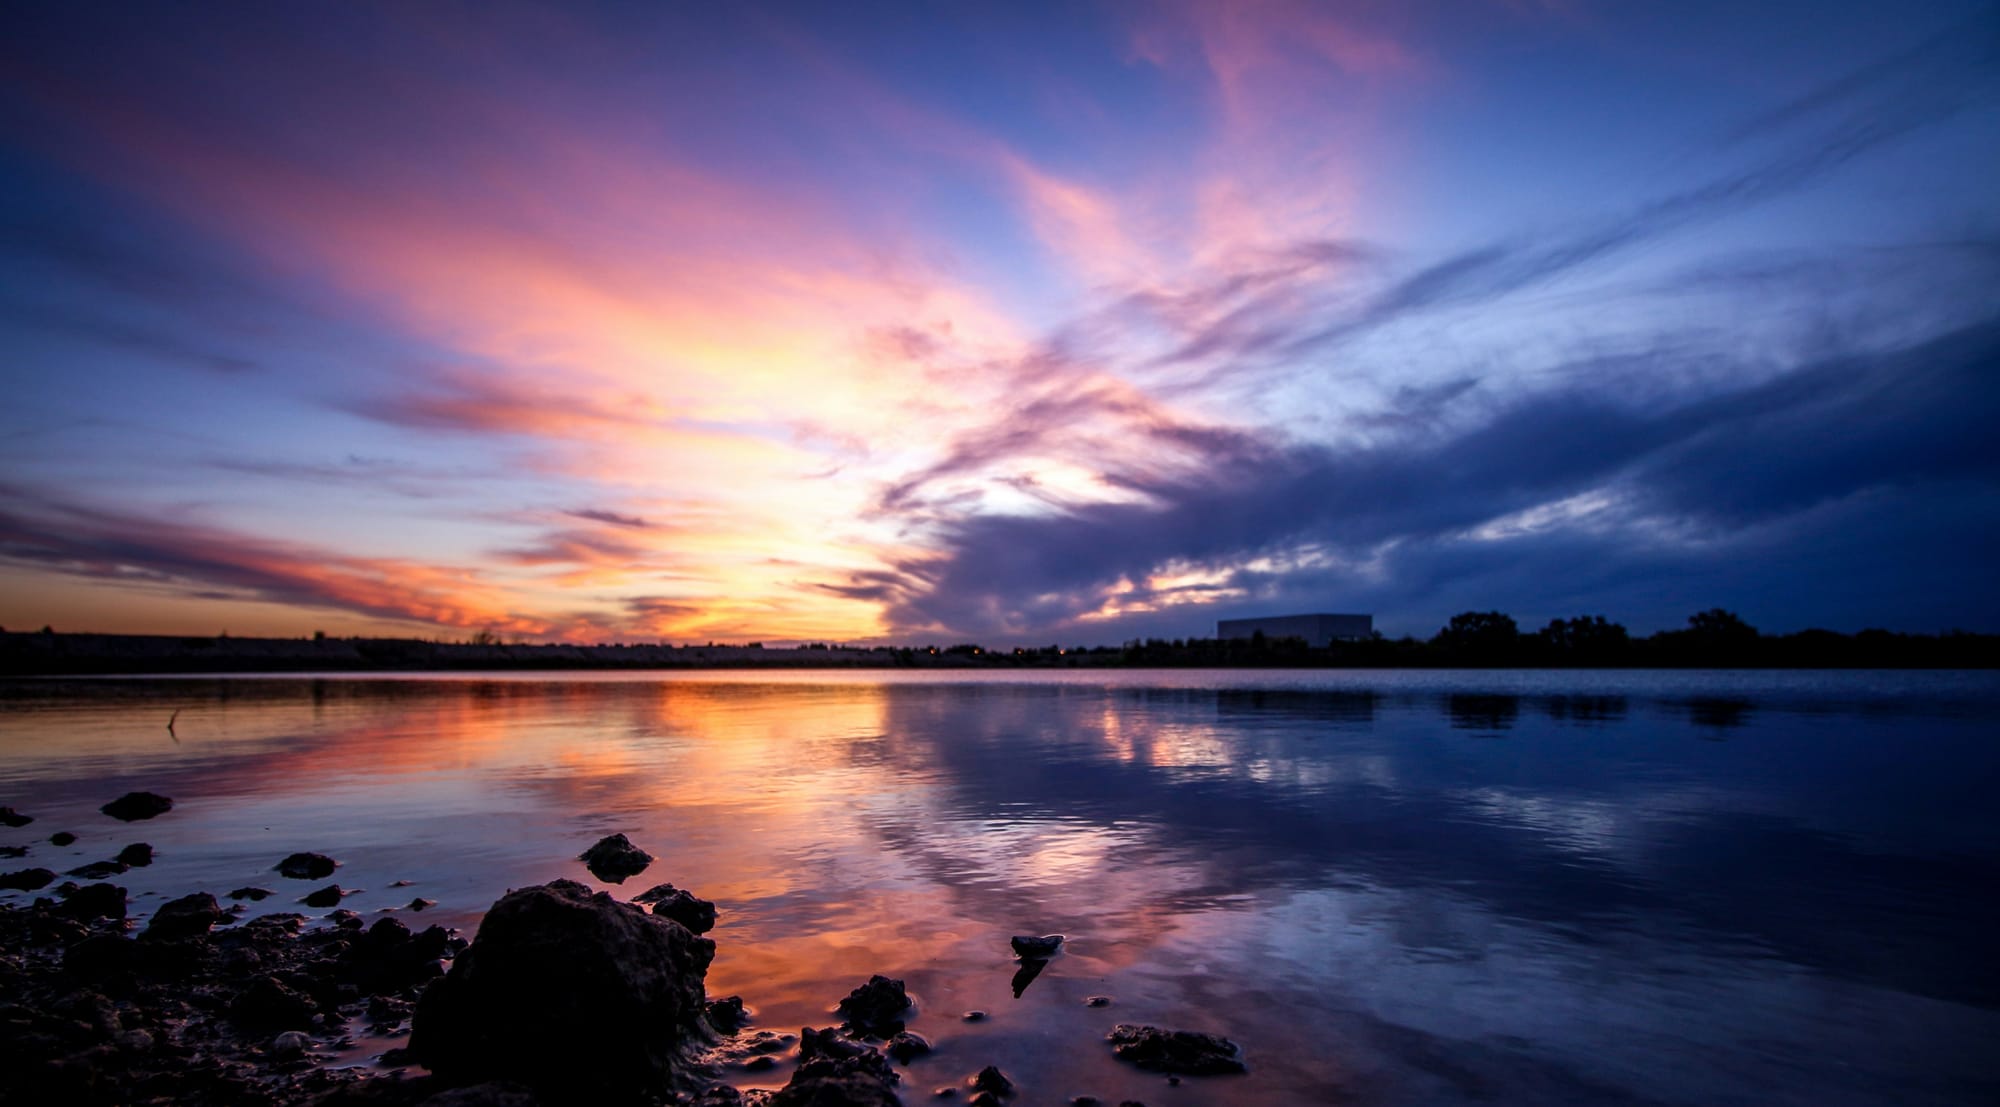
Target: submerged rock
[306,866]
[134,806]
[16,851]
[251,894]
[876,1008]
[61,838]
[1182,1051]
[1042,947]
[576,995]
[669,902]
[614,858]
[137,855]
[11,817]
[98,870]
[26,880]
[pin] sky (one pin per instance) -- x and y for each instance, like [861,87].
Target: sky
[1015,323]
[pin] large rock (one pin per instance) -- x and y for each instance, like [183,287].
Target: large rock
[187,917]
[578,996]
[26,880]
[1185,1051]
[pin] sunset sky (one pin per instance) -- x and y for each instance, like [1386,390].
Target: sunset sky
[1005,322]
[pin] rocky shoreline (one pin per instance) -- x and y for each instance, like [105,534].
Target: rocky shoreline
[565,996]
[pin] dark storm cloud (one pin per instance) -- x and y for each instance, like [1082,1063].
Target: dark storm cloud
[1723,488]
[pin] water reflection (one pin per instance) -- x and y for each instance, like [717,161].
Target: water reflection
[1378,903]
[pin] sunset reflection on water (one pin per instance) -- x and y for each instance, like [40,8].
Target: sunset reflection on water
[1387,887]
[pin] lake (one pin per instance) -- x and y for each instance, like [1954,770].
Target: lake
[1387,887]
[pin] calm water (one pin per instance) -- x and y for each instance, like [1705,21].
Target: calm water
[1387,887]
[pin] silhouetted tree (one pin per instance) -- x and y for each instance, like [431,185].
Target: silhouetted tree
[1586,639]
[1480,636]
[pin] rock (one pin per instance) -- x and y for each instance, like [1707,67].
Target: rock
[291,1043]
[974,1016]
[11,817]
[1042,947]
[98,870]
[13,851]
[268,1005]
[26,880]
[1097,1001]
[61,838]
[495,1093]
[134,1041]
[614,858]
[991,1079]
[134,806]
[251,894]
[399,884]
[306,866]
[667,901]
[95,901]
[828,1043]
[984,1099]
[728,1015]
[100,956]
[864,1080]
[576,995]
[1031,967]
[1084,1101]
[328,896]
[1182,1051]
[343,918]
[876,1008]
[420,903]
[906,1047]
[185,917]
[137,855]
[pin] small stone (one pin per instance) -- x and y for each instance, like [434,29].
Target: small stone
[615,858]
[11,817]
[399,884]
[420,903]
[1173,1081]
[991,1079]
[946,1092]
[1084,1101]
[1043,947]
[906,1047]
[1097,1001]
[137,855]
[345,919]
[26,880]
[61,838]
[760,1063]
[98,870]
[252,894]
[328,896]
[306,866]
[974,1016]
[13,851]
[292,1043]
[134,806]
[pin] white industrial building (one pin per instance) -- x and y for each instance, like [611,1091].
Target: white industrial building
[1319,631]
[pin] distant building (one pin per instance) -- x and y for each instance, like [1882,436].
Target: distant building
[1319,631]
